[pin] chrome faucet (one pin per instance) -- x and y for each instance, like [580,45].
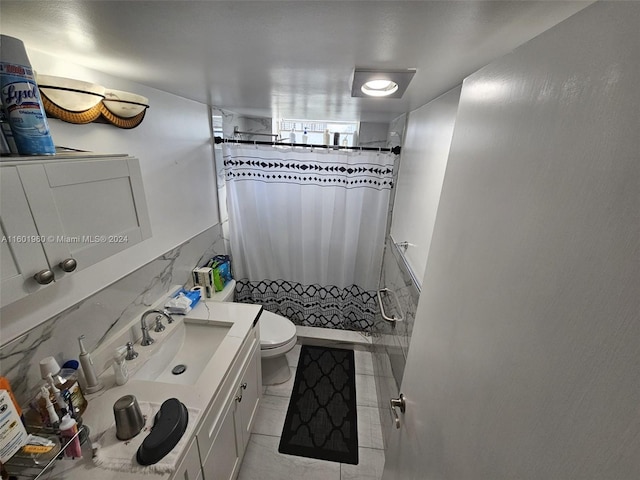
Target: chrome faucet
[146,338]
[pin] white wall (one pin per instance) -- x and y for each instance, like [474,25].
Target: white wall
[525,357]
[173,144]
[424,159]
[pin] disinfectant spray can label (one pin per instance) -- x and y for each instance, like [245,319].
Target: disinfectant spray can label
[21,101]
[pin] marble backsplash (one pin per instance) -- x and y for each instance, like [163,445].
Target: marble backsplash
[104,313]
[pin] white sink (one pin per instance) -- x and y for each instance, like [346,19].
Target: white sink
[181,357]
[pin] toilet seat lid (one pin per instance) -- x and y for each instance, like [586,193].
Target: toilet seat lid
[275,330]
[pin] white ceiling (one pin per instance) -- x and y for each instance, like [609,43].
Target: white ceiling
[290,59]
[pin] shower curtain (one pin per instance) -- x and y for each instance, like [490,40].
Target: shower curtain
[307,230]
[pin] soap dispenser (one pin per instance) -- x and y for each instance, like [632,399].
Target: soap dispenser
[93,384]
[120,368]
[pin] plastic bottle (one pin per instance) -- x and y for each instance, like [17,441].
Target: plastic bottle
[64,379]
[120,365]
[21,97]
[292,136]
[12,433]
[55,393]
[51,411]
[5,385]
[305,137]
[327,137]
[69,429]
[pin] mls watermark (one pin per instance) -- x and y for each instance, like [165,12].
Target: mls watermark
[84,239]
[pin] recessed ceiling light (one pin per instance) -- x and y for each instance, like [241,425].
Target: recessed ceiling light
[369,82]
[379,88]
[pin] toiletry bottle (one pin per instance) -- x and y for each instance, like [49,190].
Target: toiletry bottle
[69,429]
[5,385]
[327,137]
[336,140]
[345,142]
[64,379]
[305,137]
[120,365]
[51,411]
[56,395]
[12,433]
[93,384]
[292,136]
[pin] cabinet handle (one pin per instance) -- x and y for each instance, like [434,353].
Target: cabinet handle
[243,386]
[44,277]
[68,265]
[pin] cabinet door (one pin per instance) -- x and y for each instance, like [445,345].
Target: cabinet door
[189,468]
[21,253]
[222,462]
[91,209]
[248,398]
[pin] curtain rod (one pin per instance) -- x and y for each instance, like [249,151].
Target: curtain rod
[395,150]
[238,132]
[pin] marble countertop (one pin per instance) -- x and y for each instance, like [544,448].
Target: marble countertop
[99,413]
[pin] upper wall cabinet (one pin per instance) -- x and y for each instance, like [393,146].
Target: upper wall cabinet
[59,216]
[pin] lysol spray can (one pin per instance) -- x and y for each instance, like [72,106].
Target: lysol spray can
[21,100]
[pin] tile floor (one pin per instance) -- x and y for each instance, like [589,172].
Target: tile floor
[262,461]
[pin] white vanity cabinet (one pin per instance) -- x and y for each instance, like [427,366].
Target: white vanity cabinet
[224,432]
[189,468]
[59,215]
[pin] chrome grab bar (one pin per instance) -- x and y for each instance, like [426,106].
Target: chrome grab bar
[393,318]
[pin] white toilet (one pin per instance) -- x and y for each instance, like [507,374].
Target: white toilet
[277,337]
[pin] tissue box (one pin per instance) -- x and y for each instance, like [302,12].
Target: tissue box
[203,277]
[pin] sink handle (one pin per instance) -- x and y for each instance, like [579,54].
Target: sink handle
[131,353]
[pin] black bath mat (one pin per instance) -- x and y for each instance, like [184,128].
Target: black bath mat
[321,420]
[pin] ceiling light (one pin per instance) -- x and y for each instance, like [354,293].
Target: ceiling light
[369,82]
[379,88]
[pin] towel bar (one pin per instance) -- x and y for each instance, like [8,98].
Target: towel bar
[393,318]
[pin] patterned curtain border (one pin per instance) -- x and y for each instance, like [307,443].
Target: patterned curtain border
[350,308]
[307,172]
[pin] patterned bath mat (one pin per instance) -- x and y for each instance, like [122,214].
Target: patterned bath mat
[321,420]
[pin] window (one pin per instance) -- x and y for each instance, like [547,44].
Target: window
[315,131]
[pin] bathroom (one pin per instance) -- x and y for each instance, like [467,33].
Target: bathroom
[174,145]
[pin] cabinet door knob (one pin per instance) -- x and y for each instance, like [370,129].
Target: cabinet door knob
[68,265]
[243,385]
[44,277]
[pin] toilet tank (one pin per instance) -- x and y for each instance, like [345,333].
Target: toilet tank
[226,295]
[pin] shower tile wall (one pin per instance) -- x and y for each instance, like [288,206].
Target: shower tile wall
[390,344]
[396,131]
[373,134]
[103,314]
